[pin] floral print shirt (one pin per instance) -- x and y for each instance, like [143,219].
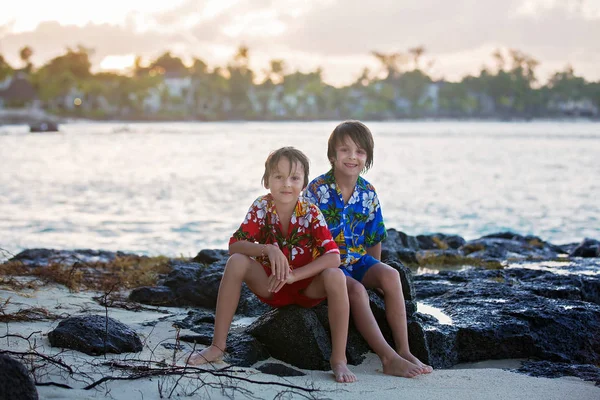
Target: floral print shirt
[306,239]
[356,225]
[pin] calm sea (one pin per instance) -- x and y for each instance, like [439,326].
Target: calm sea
[177,188]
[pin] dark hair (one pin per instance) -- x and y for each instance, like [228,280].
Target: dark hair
[360,135]
[294,156]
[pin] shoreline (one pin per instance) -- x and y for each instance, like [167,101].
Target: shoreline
[67,119]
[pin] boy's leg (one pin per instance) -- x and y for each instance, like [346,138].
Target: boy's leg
[382,276]
[331,283]
[367,326]
[239,268]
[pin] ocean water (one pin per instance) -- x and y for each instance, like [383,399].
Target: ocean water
[178,188]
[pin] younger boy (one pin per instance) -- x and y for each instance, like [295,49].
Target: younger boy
[285,254]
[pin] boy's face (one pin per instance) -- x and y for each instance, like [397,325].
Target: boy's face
[350,159]
[285,184]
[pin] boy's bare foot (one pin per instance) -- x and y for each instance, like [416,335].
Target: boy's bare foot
[342,373]
[399,366]
[207,355]
[425,369]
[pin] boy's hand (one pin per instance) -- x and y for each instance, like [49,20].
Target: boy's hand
[280,267]
[275,284]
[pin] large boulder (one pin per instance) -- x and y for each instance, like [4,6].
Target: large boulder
[587,248]
[294,334]
[194,284]
[95,335]
[15,381]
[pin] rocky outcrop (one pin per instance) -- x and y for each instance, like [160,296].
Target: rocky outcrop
[534,300]
[490,250]
[518,312]
[587,248]
[46,257]
[95,335]
[195,284]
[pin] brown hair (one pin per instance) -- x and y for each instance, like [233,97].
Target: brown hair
[294,156]
[360,135]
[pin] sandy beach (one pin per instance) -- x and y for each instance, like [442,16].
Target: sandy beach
[485,380]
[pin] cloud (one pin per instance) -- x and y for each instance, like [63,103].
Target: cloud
[458,34]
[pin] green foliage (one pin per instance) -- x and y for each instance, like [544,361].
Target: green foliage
[5,69]
[401,88]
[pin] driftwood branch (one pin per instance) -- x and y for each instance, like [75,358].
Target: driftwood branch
[142,372]
[49,359]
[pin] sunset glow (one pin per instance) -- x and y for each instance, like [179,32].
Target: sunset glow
[338,36]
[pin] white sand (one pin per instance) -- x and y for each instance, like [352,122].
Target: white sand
[475,381]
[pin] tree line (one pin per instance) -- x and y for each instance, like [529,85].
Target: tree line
[402,88]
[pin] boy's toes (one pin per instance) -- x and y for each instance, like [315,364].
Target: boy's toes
[343,374]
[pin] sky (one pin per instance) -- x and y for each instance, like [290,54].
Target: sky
[459,36]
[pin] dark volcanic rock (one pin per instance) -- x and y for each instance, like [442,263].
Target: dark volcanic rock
[210,256]
[195,317]
[279,370]
[15,381]
[45,257]
[294,335]
[587,248]
[510,246]
[443,249]
[204,338]
[432,343]
[198,285]
[154,296]
[244,351]
[506,314]
[88,334]
[548,369]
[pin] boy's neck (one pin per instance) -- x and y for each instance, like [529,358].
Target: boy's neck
[345,181]
[285,211]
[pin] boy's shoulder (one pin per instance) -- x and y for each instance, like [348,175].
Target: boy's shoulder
[326,178]
[364,184]
[263,201]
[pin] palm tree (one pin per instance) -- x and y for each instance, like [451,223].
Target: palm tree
[392,62]
[25,54]
[417,52]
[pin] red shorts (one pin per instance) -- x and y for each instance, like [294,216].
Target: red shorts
[290,294]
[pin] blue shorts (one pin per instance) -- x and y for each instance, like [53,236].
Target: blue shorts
[360,268]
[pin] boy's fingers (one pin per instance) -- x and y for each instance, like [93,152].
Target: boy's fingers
[279,286]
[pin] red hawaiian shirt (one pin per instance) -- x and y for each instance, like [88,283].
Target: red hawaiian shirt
[307,238]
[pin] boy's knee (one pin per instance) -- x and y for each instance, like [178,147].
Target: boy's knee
[238,261]
[357,290]
[389,277]
[333,275]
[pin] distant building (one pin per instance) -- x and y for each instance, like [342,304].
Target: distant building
[17,91]
[579,108]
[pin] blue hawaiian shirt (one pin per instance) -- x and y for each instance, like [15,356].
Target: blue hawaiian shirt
[356,225]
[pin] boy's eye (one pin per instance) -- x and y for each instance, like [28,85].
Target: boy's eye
[296,178]
[361,151]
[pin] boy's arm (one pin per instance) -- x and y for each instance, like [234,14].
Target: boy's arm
[375,251]
[329,260]
[250,249]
